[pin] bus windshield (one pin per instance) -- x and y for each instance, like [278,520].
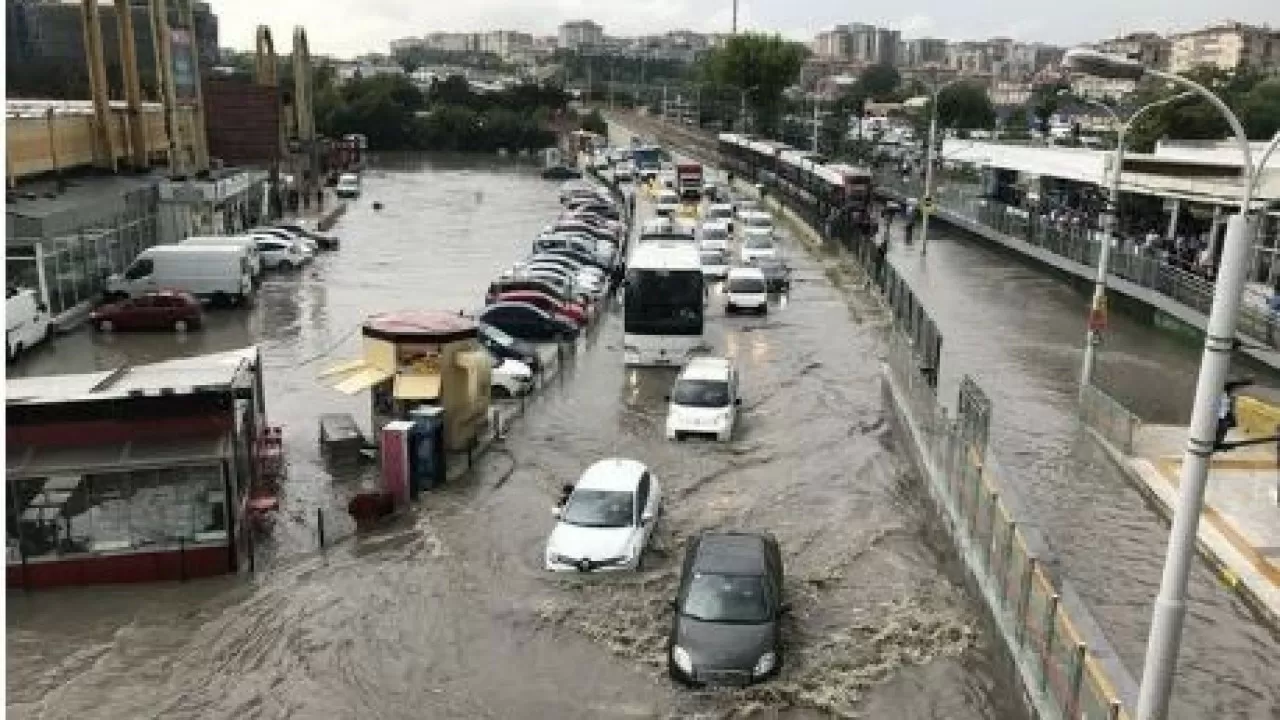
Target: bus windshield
[663,302]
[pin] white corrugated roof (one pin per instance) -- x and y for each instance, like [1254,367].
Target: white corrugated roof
[1089,166]
[179,376]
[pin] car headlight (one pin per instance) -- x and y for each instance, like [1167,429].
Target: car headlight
[681,658]
[558,559]
[765,664]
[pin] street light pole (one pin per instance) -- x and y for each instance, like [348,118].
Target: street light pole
[926,199]
[815,123]
[1170,608]
[1111,231]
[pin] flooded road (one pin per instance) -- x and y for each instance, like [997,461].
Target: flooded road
[447,614]
[1019,332]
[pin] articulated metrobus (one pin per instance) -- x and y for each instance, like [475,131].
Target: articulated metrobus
[663,304]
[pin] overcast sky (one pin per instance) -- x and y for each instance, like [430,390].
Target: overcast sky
[349,27]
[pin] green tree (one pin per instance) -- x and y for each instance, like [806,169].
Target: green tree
[965,106]
[761,66]
[1253,96]
[594,122]
[1260,109]
[879,82]
[1045,101]
[1017,120]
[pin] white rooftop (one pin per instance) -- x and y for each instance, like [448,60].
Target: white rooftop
[1090,166]
[611,474]
[181,376]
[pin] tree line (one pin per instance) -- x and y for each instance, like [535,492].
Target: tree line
[395,114]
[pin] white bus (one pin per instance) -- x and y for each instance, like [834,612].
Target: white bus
[663,304]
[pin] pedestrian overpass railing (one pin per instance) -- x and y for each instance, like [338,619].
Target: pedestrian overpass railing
[1065,675]
[1082,245]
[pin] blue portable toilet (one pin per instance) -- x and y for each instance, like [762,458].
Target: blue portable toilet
[427,467]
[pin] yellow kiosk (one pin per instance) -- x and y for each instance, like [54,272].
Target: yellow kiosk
[414,358]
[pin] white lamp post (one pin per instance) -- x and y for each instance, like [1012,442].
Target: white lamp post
[1093,335]
[1170,609]
[926,200]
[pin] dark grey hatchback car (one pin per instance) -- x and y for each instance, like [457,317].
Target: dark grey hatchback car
[728,611]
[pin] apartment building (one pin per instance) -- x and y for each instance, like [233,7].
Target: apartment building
[1226,46]
[1151,49]
[580,33]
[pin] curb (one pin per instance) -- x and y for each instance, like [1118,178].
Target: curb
[1224,572]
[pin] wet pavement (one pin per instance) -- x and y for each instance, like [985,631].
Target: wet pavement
[448,613]
[1019,332]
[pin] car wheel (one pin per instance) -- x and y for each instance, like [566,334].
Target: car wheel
[221,299]
[284,265]
[180,325]
[499,392]
[679,436]
[106,325]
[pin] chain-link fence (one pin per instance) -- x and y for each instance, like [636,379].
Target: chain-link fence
[1063,675]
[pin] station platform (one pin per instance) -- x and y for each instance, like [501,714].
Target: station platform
[1239,531]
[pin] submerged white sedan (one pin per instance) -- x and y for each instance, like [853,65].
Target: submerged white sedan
[607,519]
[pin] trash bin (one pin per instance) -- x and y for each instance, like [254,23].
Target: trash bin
[427,468]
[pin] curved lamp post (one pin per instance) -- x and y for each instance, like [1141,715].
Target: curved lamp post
[1170,608]
[926,200]
[1093,334]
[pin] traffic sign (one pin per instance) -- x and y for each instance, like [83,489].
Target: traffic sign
[927,205]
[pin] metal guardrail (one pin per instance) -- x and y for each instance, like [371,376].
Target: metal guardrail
[1082,246]
[1109,417]
[1061,673]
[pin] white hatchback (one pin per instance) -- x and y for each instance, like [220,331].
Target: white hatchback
[756,246]
[666,204]
[746,289]
[714,235]
[704,400]
[606,520]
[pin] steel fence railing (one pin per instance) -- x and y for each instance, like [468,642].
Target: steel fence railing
[1116,423]
[1081,245]
[1067,674]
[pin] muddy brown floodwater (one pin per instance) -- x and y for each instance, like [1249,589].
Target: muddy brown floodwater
[447,614]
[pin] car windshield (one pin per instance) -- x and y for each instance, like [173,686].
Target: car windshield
[721,212]
[746,285]
[701,393]
[598,508]
[726,598]
[758,221]
[758,242]
[714,257]
[714,233]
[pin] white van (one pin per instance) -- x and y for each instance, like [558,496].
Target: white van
[220,275]
[26,321]
[348,186]
[704,400]
[240,241]
[746,289]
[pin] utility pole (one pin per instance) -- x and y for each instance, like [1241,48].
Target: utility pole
[815,123]
[664,102]
[735,17]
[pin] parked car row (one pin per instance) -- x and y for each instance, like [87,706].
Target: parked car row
[553,294]
[166,286]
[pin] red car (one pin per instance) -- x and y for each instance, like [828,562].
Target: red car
[165,310]
[572,312]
